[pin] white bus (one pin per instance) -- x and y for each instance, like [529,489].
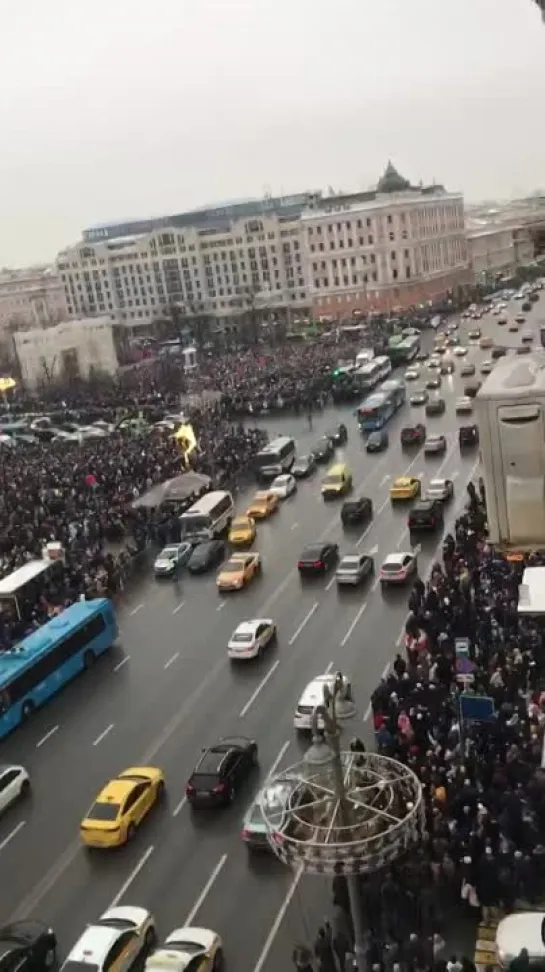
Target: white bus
[275,458]
[21,590]
[385,367]
[364,356]
[209,517]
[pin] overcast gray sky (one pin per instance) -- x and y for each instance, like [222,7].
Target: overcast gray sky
[123,108]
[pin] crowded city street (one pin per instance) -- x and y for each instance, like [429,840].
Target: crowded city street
[168,689]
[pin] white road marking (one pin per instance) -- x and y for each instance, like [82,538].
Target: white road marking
[221,606]
[402,538]
[386,670]
[259,688]
[103,734]
[269,941]
[132,877]
[179,807]
[13,833]
[178,607]
[205,892]
[171,661]
[373,550]
[329,668]
[376,584]
[455,474]
[305,621]
[353,625]
[278,759]
[136,609]
[47,736]
[120,664]
[367,713]
[330,583]
[385,479]
[294,526]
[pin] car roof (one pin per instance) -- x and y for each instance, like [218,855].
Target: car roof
[95,943]
[314,689]
[423,504]
[250,627]
[434,438]
[313,548]
[116,791]
[402,481]
[395,558]
[438,482]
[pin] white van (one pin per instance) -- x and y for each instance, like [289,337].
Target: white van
[209,517]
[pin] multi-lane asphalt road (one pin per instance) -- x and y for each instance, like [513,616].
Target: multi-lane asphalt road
[169,689]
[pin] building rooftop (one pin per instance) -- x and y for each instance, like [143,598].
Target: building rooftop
[392,181]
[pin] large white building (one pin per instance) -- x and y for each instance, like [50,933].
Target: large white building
[70,350]
[394,247]
[497,247]
[29,298]
[221,262]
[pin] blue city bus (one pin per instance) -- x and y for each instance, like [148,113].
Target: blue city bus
[375,411]
[41,665]
[397,388]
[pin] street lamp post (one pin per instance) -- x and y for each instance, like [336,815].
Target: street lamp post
[349,813]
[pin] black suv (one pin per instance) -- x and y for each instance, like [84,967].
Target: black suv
[359,510]
[435,406]
[323,450]
[413,435]
[220,770]
[468,435]
[471,390]
[27,946]
[426,515]
[317,558]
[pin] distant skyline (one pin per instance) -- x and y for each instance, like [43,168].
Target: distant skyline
[115,111]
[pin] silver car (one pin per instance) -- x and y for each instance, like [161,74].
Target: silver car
[172,558]
[354,568]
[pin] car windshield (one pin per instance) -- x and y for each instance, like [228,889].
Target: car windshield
[188,948]
[333,480]
[240,523]
[232,567]
[392,566]
[302,461]
[437,484]
[434,439]
[350,562]
[169,552]
[104,811]
[242,637]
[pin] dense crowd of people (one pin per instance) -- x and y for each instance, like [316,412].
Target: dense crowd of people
[483,845]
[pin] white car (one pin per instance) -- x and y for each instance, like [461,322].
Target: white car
[283,486]
[119,937]
[187,948]
[412,374]
[527,337]
[460,351]
[313,696]
[486,367]
[398,567]
[521,930]
[440,489]
[14,784]
[464,405]
[250,638]
[434,364]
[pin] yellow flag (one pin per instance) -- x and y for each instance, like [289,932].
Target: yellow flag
[186,439]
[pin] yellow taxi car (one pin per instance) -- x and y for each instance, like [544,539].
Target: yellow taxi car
[121,807]
[405,488]
[238,571]
[486,342]
[262,505]
[242,531]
